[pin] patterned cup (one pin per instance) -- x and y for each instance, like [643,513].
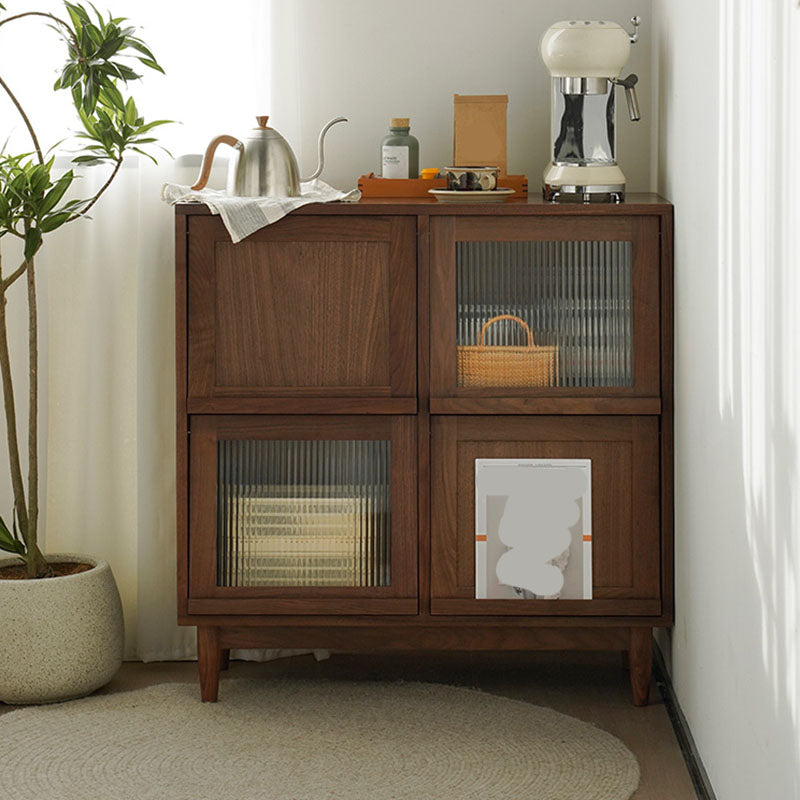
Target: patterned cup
[472,179]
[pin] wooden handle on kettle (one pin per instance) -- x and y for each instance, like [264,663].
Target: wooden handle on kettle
[208,158]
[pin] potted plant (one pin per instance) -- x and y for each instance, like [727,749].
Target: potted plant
[61,629]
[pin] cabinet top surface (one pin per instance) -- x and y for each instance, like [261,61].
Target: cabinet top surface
[635,204]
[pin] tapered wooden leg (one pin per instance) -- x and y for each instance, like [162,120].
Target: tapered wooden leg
[209,657]
[640,657]
[224,658]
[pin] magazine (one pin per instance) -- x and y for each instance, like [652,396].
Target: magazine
[533,528]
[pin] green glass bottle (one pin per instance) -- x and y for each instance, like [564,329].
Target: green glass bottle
[399,151]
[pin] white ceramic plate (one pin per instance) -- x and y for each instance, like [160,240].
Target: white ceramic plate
[455,196]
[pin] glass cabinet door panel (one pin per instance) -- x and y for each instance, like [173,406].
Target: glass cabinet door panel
[534,307]
[296,514]
[544,314]
[304,513]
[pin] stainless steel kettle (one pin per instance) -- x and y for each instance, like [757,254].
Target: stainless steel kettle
[263,165]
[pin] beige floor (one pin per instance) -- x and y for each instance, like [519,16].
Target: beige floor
[591,686]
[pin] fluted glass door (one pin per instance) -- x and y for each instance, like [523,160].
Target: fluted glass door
[304,513]
[555,314]
[535,307]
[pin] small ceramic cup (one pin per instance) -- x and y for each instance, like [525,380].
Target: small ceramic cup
[472,179]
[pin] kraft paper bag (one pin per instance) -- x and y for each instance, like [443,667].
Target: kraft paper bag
[479,131]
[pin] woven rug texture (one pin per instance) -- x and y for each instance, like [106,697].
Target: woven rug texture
[308,740]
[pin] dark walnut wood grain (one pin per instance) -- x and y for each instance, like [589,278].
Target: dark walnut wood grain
[338,322]
[209,661]
[303,309]
[337,336]
[640,663]
[182,420]
[430,637]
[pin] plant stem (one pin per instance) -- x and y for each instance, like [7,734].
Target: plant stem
[35,564]
[34,14]
[11,422]
[33,409]
[100,191]
[25,119]
[17,273]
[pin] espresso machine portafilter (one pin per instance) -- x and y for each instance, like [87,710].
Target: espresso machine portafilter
[586,59]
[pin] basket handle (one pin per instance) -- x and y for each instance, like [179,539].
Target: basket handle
[506,316]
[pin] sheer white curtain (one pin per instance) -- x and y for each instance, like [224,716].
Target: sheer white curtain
[107,374]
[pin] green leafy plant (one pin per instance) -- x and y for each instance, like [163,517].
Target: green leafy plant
[102,52]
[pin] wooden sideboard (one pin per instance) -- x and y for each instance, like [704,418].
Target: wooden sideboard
[327,439]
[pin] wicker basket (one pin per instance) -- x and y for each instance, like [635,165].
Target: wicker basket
[510,365]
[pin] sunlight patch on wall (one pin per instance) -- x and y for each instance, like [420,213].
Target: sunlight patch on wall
[759,297]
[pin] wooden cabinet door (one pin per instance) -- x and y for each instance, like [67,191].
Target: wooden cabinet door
[625,507]
[303,515]
[527,309]
[314,307]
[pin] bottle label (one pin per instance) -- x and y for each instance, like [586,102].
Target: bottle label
[395,161]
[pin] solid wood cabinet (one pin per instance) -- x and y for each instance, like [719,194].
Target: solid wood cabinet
[342,373]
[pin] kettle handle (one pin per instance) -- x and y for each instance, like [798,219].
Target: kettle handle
[208,158]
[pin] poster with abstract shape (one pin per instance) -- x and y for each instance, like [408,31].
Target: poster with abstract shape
[533,528]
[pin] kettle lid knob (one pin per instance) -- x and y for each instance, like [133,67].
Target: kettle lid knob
[262,121]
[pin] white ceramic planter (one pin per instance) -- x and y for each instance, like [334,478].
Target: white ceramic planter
[59,637]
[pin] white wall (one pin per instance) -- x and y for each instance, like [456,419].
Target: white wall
[370,61]
[727,147]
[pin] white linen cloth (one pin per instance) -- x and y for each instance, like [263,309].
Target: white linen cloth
[245,215]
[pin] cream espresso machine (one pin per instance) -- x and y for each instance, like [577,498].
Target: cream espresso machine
[586,59]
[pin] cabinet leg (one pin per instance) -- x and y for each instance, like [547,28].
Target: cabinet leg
[640,657]
[209,658]
[224,658]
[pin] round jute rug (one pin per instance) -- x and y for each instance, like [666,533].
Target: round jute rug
[308,740]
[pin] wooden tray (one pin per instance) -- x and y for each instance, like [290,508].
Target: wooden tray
[371,186]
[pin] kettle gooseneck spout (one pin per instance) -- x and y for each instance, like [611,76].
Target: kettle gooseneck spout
[321,148]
